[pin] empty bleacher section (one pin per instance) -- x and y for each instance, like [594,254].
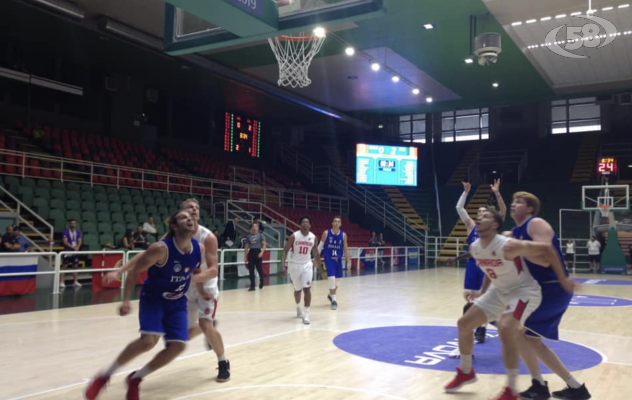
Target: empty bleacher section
[586,157]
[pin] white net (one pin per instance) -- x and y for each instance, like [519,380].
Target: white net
[295,54]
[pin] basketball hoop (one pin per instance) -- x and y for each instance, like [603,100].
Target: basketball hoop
[605,210]
[295,54]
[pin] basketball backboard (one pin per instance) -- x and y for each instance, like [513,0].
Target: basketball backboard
[610,198]
[192,27]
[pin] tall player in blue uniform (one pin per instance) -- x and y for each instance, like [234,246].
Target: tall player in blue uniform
[473,274]
[333,244]
[163,305]
[557,291]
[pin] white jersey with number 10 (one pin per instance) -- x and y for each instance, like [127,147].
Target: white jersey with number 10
[302,248]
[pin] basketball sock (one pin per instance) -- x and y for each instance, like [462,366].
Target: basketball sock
[222,358]
[306,310]
[512,378]
[333,297]
[466,363]
[111,369]
[141,373]
[572,382]
[539,378]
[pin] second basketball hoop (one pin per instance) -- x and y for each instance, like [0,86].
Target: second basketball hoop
[295,54]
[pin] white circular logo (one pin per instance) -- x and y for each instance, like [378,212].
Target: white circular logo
[596,34]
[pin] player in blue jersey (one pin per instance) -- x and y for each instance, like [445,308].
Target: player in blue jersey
[162,306]
[333,245]
[557,291]
[473,274]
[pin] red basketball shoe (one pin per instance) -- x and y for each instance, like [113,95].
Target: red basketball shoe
[460,380]
[95,386]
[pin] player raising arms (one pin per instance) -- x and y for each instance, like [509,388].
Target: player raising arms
[304,246]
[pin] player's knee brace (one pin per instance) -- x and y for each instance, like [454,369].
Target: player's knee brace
[332,282]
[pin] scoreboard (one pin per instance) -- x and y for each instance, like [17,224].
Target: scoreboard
[242,135]
[386,165]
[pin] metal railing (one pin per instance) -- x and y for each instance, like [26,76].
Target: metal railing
[21,207]
[390,255]
[20,164]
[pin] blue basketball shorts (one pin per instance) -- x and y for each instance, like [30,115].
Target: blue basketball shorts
[334,267]
[473,276]
[167,318]
[545,320]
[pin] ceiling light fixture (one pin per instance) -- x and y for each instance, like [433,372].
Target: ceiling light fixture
[350,51]
[576,13]
[375,66]
[495,84]
[395,78]
[428,99]
[530,21]
[428,26]
[469,61]
[319,32]
[560,16]
[516,23]
[415,91]
[545,18]
[607,8]
[624,6]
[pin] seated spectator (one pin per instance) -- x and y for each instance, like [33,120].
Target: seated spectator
[140,241]
[10,242]
[127,241]
[374,241]
[149,227]
[25,245]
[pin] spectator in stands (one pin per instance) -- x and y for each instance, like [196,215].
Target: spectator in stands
[216,233]
[259,224]
[127,241]
[21,240]
[594,248]
[72,240]
[149,227]
[230,232]
[381,243]
[569,253]
[10,242]
[140,241]
[374,241]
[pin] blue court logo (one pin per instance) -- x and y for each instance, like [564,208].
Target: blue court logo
[429,347]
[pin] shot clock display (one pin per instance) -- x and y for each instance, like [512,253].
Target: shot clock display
[607,166]
[386,165]
[242,135]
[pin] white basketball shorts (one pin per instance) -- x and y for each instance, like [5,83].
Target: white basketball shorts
[521,302]
[301,275]
[197,307]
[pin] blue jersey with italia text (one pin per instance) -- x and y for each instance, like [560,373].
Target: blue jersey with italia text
[540,273]
[474,276]
[334,245]
[171,279]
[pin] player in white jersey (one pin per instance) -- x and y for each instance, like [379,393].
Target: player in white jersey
[512,296]
[304,245]
[201,305]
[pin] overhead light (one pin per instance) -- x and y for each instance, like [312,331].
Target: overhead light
[560,16]
[493,172]
[395,78]
[607,8]
[516,23]
[380,126]
[375,66]
[576,13]
[545,18]
[319,32]
[415,91]
[428,99]
[590,12]
[495,84]
[530,21]
[350,51]
[469,61]
[429,26]
[624,6]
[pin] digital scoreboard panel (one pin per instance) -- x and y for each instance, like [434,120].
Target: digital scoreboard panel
[607,166]
[386,165]
[242,135]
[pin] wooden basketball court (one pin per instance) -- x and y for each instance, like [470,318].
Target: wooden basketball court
[52,354]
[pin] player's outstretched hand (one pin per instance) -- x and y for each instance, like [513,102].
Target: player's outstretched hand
[283,272]
[451,261]
[125,309]
[466,187]
[568,285]
[496,186]
[472,295]
[110,277]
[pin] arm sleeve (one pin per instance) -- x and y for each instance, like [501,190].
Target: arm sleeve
[460,208]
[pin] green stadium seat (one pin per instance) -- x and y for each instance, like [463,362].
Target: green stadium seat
[73,186]
[58,194]
[147,193]
[149,201]
[118,228]
[58,217]
[88,205]
[142,217]
[131,217]
[91,241]
[44,184]
[102,206]
[58,185]
[104,216]
[88,216]
[104,227]
[117,217]
[58,203]
[114,198]
[42,193]
[123,191]
[73,214]
[111,190]
[98,189]
[101,197]
[116,207]
[87,195]
[29,182]
[26,195]
[106,239]
[74,205]
[73,195]
[135,192]
[128,207]
[138,200]
[140,208]
[11,181]
[152,209]
[42,207]
[132,226]
[125,199]
[88,227]
[159,201]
